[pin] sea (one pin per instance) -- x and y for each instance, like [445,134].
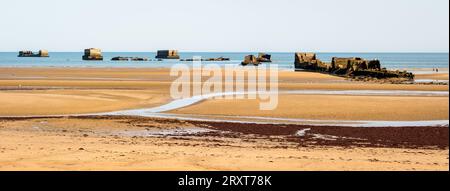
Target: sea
[285,60]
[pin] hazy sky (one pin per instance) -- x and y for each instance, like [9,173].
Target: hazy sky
[226,25]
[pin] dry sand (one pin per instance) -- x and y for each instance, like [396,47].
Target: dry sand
[75,101]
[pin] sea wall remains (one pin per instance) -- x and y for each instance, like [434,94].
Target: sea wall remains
[354,67]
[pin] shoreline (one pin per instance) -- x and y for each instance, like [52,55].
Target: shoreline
[242,120]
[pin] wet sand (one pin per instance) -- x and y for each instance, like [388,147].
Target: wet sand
[336,107]
[55,91]
[436,76]
[124,143]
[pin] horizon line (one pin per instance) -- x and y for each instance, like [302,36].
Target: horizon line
[441,52]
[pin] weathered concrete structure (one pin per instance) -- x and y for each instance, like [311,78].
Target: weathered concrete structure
[250,59]
[350,67]
[43,53]
[167,54]
[220,59]
[119,58]
[139,59]
[343,65]
[308,61]
[92,54]
[263,57]
[27,53]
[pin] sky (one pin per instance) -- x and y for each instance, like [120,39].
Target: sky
[226,25]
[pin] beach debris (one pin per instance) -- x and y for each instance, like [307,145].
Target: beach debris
[27,53]
[250,59]
[92,54]
[263,57]
[119,58]
[167,54]
[355,67]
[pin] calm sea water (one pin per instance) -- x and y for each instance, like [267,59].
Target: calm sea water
[284,60]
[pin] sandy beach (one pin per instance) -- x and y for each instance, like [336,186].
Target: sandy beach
[54,91]
[70,143]
[134,144]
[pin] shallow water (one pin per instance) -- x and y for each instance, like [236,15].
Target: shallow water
[284,60]
[430,81]
[158,112]
[177,104]
[281,121]
[162,132]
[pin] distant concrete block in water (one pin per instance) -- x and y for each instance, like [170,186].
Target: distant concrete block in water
[220,59]
[43,53]
[250,59]
[262,57]
[350,67]
[167,54]
[92,54]
[119,58]
[27,53]
[138,59]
